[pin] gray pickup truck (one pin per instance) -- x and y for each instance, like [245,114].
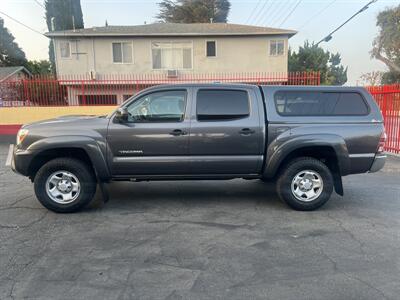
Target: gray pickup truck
[305,138]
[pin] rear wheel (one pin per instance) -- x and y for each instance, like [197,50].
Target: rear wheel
[305,184]
[65,185]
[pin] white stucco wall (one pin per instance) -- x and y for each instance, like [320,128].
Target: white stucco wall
[234,55]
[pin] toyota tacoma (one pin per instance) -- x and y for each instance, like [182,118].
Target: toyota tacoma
[301,137]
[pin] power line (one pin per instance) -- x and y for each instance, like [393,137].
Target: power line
[279,12]
[277,8]
[263,20]
[290,13]
[260,12]
[40,4]
[253,11]
[329,36]
[317,14]
[19,22]
[257,14]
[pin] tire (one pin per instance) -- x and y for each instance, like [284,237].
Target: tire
[65,185]
[305,184]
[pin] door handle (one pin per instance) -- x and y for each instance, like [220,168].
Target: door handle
[246,131]
[178,132]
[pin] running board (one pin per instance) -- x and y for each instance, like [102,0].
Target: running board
[138,178]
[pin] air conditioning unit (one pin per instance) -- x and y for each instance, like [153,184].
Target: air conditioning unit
[92,74]
[172,73]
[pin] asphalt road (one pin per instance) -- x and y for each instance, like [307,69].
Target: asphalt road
[202,240]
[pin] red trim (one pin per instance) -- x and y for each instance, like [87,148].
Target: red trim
[9,129]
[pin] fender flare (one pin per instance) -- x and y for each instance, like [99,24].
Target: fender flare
[87,144]
[279,150]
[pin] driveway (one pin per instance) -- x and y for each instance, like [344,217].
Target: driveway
[202,240]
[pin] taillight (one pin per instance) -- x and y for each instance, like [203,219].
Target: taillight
[382,142]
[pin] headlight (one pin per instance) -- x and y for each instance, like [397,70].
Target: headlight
[22,133]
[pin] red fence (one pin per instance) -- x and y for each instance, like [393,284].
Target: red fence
[388,99]
[114,89]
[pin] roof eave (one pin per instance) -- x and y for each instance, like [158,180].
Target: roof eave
[22,68]
[80,34]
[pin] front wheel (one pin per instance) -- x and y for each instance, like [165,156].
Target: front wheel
[64,185]
[305,184]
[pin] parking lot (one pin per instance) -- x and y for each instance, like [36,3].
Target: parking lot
[202,240]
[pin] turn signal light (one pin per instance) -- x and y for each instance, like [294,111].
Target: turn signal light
[22,133]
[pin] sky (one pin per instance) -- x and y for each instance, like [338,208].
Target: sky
[313,19]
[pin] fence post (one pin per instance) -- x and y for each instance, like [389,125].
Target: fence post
[83,93]
[27,100]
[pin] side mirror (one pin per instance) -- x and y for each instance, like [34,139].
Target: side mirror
[122,115]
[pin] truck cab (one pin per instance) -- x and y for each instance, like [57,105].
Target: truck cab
[188,130]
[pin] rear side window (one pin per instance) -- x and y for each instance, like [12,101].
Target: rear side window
[291,103]
[221,105]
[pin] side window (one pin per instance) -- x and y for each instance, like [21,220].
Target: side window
[168,106]
[293,103]
[172,55]
[351,104]
[65,49]
[211,49]
[276,47]
[122,52]
[222,105]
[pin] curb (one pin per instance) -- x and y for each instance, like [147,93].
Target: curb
[7,139]
[392,154]
[9,129]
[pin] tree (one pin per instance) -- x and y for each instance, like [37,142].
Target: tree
[372,78]
[386,46]
[63,15]
[10,53]
[391,77]
[194,11]
[314,58]
[41,67]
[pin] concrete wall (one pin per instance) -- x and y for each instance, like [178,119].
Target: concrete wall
[24,115]
[234,54]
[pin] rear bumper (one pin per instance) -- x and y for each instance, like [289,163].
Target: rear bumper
[378,164]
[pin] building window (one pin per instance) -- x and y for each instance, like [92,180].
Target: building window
[276,47]
[65,49]
[171,55]
[122,53]
[97,99]
[211,48]
[126,97]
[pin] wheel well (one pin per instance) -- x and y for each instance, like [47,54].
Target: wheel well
[326,154]
[43,157]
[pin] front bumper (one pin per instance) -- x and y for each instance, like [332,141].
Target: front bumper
[378,164]
[10,157]
[19,160]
